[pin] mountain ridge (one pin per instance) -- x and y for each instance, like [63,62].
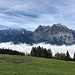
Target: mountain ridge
[56,34]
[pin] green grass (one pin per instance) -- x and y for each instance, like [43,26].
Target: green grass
[26,65]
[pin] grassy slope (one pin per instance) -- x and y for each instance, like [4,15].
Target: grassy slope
[23,65]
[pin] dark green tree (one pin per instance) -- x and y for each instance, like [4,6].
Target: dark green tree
[38,51]
[45,53]
[67,58]
[60,56]
[33,51]
[50,53]
[56,56]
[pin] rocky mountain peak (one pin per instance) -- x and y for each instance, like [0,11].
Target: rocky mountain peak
[59,27]
[58,24]
[42,29]
[56,34]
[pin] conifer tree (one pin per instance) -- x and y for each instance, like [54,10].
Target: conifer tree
[68,58]
[50,53]
[33,51]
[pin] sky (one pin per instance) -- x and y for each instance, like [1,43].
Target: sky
[29,14]
[26,48]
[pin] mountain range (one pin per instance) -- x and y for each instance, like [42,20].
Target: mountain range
[57,34]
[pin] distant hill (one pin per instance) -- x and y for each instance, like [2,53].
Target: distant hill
[56,34]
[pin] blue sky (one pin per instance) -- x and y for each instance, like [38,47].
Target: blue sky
[29,14]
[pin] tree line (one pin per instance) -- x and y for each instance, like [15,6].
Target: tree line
[47,53]
[10,51]
[41,52]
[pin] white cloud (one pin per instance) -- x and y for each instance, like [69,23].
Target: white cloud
[48,12]
[27,48]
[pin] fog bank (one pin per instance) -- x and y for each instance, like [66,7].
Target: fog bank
[27,48]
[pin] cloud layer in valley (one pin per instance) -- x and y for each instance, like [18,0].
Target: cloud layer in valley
[27,48]
[29,14]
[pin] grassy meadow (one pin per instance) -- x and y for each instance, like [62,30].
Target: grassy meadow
[26,65]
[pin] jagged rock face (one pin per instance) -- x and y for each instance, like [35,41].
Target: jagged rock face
[62,34]
[40,32]
[56,34]
[59,27]
[16,36]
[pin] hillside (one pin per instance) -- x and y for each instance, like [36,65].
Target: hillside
[26,65]
[56,34]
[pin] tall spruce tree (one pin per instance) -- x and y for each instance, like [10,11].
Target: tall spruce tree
[38,51]
[67,58]
[33,51]
[50,53]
